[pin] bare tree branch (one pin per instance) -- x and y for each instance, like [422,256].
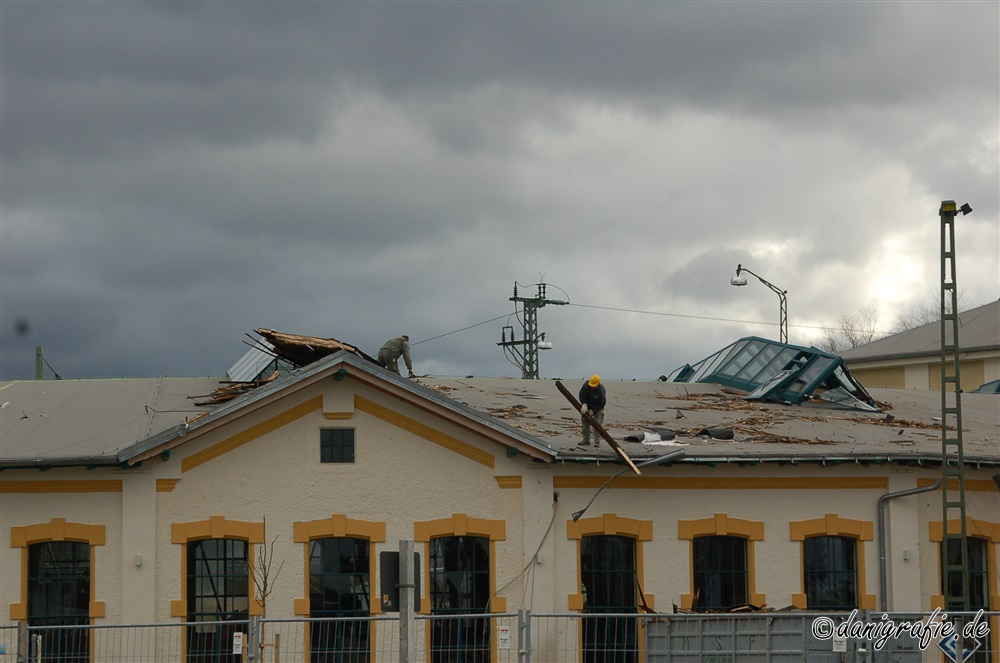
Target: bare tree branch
[260,573]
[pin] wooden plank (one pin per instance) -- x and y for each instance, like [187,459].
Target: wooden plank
[612,442]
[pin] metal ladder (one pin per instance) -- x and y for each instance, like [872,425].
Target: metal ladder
[952,453]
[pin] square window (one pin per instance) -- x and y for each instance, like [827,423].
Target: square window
[336,445]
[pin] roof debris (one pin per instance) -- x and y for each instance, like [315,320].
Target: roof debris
[304,350]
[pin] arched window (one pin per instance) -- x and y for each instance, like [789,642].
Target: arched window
[59,595]
[721,578]
[58,583]
[460,585]
[722,562]
[339,587]
[216,559]
[830,572]
[218,590]
[608,572]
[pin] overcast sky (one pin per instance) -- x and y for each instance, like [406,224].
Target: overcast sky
[176,174]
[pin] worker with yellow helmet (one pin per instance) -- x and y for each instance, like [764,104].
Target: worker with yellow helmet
[593,398]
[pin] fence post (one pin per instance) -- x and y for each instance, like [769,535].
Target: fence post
[407,620]
[523,636]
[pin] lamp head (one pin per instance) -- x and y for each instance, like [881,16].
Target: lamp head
[965,209]
[739,279]
[577,515]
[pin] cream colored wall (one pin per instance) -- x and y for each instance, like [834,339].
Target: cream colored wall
[398,478]
[88,508]
[138,545]
[903,539]
[778,558]
[918,376]
[991,369]
[541,527]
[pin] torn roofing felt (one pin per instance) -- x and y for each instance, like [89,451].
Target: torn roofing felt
[304,350]
[779,372]
[278,354]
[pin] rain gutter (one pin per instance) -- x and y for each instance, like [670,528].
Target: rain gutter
[883,581]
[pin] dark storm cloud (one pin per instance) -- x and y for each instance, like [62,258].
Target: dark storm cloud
[100,76]
[175,174]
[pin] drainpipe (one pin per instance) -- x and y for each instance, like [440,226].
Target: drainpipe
[881,535]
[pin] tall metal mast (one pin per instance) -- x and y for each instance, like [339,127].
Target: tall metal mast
[955,562]
[527,357]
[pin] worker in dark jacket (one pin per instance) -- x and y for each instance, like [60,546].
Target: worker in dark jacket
[389,355]
[593,398]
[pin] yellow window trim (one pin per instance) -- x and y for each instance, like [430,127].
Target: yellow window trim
[726,483]
[423,430]
[722,525]
[508,482]
[59,486]
[980,529]
[460,524]
[216,527]
[340,526]
[610,524]
[833,525]
[57,529]
[254,432]
[166,485]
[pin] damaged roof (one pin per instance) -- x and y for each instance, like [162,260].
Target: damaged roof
[111,422]
[906,429]
[779,372]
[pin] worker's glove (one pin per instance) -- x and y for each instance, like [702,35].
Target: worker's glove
[583,409]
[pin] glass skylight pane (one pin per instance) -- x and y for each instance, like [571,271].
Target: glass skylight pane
[751,370]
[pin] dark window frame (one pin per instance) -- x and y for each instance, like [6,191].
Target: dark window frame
[609,571]
[721,572]
[59,588]
[217,569]
[337,445]
[336,563]
[461,572]
[830,572]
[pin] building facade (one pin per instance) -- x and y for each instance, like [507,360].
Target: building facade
[127,502]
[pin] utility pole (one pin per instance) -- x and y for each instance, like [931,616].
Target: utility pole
[407,603]
[954,543]
[532,341]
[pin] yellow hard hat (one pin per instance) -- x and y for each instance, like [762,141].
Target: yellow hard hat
[594,380]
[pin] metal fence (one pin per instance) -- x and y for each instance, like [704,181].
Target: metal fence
[524,637]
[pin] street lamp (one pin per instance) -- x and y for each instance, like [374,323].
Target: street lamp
[739,280]
[676,454]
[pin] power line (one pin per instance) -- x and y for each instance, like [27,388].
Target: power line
[629,310]
[434,338]
[699,317]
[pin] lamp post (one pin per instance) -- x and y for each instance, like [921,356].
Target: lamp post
[677,453]
[739,280]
